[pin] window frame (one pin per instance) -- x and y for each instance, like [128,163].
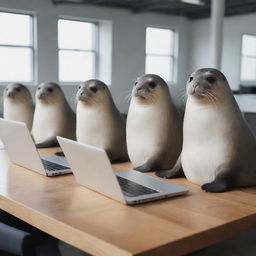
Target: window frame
[95,51]
[32,47]
[246,82]
[173,57]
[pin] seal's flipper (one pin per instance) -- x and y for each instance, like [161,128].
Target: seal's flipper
[60,153]
[175,172]
[217,186]
[224,181]
[51,142]
[144,168]
[151,165]
[120,160]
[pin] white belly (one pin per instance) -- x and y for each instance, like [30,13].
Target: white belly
[19,112]
[93,127]
[143,136]
[200,162]
[205,145]
[47,123]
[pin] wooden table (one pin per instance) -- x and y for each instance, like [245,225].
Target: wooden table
[101,226]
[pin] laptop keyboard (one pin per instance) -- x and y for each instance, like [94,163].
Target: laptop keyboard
[50,166]
[133,189]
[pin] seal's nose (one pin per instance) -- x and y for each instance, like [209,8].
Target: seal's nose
[10,94]
[41,95]
[195,85]
[81,94]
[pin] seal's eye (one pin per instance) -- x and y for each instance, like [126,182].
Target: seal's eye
[49,90]
[152,84]
[94,89]
[79,87]
[190,79]
[135,83]
[17,89]
[210,79]
[38,88]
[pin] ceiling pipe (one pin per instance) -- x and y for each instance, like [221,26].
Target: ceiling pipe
[216,30]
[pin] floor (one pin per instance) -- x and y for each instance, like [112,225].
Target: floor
[240,245]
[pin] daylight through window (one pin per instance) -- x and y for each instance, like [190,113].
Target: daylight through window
[16,48]
[160,57]
[77,50]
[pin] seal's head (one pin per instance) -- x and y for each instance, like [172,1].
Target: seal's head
[149,88]
[206,85]
[17,93]
[48,92]
[93,92]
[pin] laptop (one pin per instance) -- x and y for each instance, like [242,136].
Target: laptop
[22,150]
[92,169]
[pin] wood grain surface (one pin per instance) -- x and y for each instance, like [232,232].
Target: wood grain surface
[101,226]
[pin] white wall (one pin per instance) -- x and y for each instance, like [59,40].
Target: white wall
[128,43]
[234,28]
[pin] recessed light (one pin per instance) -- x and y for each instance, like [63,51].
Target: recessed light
[195,2]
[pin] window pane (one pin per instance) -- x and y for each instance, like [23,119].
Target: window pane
[159,41]
[161,66]
[15,64]
[249,45]
[15,29]
[75,34]
[76,66]
[248,69]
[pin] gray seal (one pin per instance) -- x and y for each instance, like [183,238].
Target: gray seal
[18,104]
[99,123]
[53,116]
[154,127]
[219,149]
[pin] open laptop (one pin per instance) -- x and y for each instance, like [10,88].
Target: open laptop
[92,169]
[22,150]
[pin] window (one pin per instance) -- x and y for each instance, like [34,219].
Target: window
[248,64]
[160,57]
[77,50]
[16,48]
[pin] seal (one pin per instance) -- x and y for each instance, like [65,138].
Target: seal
[154,127]
[218,149]
[18,104]
[53,116]
[99,123]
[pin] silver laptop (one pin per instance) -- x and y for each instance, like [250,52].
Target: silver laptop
[22,150]
[92,169]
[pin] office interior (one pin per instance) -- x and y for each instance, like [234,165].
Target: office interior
[70,41]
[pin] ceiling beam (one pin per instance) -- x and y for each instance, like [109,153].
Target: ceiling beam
[174,4]
[171,7]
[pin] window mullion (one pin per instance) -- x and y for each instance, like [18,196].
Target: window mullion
[19,58]
[84,60]
[75,50]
